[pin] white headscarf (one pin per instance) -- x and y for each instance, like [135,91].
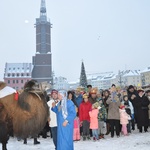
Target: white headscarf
[64,103]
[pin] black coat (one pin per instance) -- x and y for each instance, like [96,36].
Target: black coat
[141,104]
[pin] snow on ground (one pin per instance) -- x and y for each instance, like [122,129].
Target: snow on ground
[135,141]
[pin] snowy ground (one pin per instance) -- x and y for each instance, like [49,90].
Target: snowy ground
[135,141]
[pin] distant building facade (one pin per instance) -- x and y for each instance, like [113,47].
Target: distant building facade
[101,80]
[42,61]
[129,77]
[145,76]
[122,79]
[61,83]
[17,74]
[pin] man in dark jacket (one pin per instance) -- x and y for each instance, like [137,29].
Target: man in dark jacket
[141,105]
[132,94]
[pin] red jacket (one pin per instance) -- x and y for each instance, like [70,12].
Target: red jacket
[84,111]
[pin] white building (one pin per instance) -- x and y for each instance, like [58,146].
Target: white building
[145,76]
[101,80]
[60,83]
[105,80]
[130,77]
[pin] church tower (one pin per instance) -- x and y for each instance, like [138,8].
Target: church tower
[42,61]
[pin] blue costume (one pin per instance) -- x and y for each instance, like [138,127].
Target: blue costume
[65,134]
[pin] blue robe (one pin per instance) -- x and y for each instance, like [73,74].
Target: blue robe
[65,134]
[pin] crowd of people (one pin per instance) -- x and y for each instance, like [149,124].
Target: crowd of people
[81,114]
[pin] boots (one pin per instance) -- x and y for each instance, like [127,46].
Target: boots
[88,137]
[108,128]
[25,141]
[84,138]
[36,141]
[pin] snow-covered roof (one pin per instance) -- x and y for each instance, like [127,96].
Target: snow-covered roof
[18,68]
[106,76]
[127,73]
[147,69]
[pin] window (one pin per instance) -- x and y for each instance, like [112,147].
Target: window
[13,81]
[17,74]
[17,81]
[21,81]
[13,75]
[8,81]
[22,74]
[8,74]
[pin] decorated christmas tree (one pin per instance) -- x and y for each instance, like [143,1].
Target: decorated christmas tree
[83,79]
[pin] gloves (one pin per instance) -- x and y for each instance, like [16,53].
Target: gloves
[99,107]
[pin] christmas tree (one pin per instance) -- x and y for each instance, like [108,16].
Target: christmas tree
[83,79]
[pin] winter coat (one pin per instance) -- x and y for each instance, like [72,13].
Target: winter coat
[53,117]
[94,118]
[78,99]
[113,109]
[142,110]
[84,109]
[92,100]
[128,107]
[149,107]
[124,117]
[102,115]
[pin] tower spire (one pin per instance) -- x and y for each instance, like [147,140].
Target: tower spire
[43,8]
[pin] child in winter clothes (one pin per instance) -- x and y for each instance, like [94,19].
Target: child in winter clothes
[84,117]
[102,116]
[124,117]
[94,120]
[76,135]
[129,110]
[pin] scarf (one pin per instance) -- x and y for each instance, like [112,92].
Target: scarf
[63,104]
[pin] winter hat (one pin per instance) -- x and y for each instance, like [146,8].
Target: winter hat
[54,91]
[96,105]
[93,91]
[140,90]
[131,87]
[122,107]
[85,96]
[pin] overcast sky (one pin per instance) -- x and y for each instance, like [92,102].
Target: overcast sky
[109,35]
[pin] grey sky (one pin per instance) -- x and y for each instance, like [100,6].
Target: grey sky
[107,34]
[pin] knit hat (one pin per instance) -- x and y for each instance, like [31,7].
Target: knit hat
[131,87]
[85,96]
[93,91]
[96,105]
[54,91]
[122,107]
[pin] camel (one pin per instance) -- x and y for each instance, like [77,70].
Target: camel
[22,114]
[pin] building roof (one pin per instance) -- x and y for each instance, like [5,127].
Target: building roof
[18,68]
[147,69]
[127,73]
[102,76]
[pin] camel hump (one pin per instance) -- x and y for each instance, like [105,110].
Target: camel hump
[2,85]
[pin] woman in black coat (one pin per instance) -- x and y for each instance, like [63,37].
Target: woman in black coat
[141,104]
